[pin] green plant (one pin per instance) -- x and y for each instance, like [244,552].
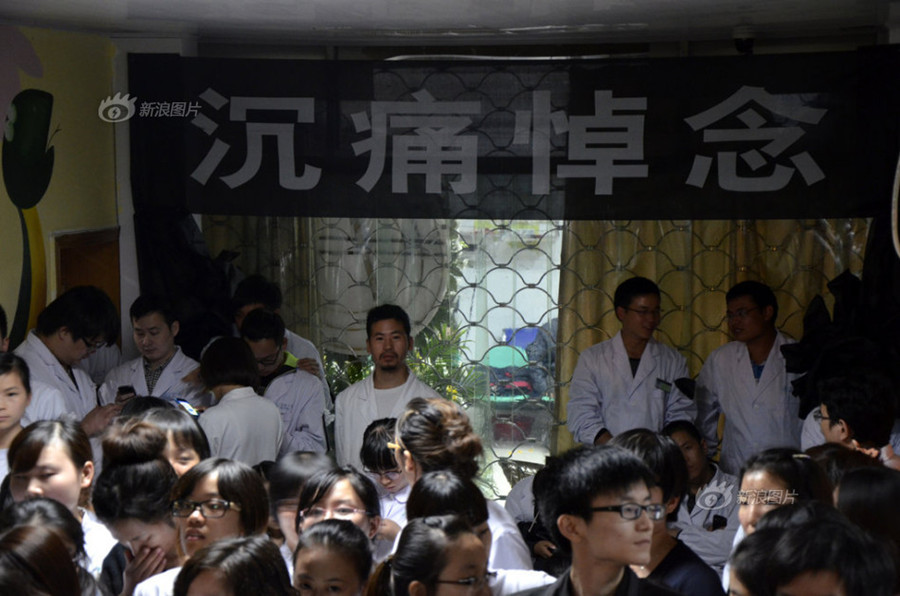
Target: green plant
[437,360]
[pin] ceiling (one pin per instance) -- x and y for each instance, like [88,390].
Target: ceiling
[456,22]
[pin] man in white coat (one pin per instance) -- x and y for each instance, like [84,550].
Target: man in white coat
[628,381]
[162,366]
[75,324]
[384,393]
[747,381]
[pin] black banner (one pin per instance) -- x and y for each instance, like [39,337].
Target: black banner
[755,137]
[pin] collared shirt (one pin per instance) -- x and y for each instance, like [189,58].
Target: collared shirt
[152,375]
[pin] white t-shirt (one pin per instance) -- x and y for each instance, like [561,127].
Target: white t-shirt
[161,584]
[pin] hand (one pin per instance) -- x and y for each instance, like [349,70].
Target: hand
[96,421]
[544,549]
[148,562]
[603,438]
[309,365]
[388,529]
[193,378]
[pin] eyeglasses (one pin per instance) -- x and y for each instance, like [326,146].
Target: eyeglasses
[817,416]
[646,312]
[211,508]
[93,345]
[317,514]
[476,582]
[632,511]
[270,360]
[391,475]
[741,313]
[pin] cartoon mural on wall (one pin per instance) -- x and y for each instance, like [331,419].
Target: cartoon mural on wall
[27,164]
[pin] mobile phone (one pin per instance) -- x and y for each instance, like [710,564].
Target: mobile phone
[187,407]
[124,393]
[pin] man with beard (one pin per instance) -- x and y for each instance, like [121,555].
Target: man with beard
[384,393]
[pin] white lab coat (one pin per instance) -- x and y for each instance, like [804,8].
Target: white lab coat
[47,403]
[520,500]
[355,409]
[605,394]
[243,426]
[508,548]
[168,387]
[161,584]
[44,367]
[758,415]
[301,401]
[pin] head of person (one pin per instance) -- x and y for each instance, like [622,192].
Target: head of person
[834,558]
[50,514]
[693,448]
[235,566]
[216,499]
[286,481]
[264,332]
[837,459]
[4,331]
[131,494]
[868,497]
[435,434]
[339,493]
[751,311]
[228,361]
[388,336]
[595,503]
[776,477]
[77,323]
[186,443]
[636,301]
[253,292]
[445,493]
[436,556]
[378,459]
[749,563]
[664,458]
[15,394]
[857,407]
[154,328]
[332,557]
[52,458]
[35,560]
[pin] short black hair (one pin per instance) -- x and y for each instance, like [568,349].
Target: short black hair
[323,481]
[344,538]
[446,493]
[4,325]
[247,565]
[147,304]
[750,560]
[577,477]
[662,455]
[290,473]
[86,311]
[865,401]
[256,289]
[761,294]
[263,324]
[803,476]
[685,426]
[375,454]
[385,312]
[11,363]
[186,433]
[630,289]
[228,361]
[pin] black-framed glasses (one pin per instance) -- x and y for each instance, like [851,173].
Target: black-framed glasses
[817,416]
[632,511]
[390,475]
[475,582]
[93,345]
[211,508]
[270,360]
[740,313]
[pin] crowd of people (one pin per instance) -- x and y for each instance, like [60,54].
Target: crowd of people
[178,476]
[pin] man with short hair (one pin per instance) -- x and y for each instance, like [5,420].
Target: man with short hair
[68,329]
[384,393]
[161,367]
[747,381]
[297,393]
[597,504]
[628,381]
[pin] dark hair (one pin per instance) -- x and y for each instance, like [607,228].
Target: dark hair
[864,401]
[290,473]
[684,426]
[575,478]
[805,479]
[185,431]
[256,289]
[237,482]
[750,560]
[385,312]
[228,361]
[147,304]
[44,512]
[86,311]
[135,408]
[630,289]
[345,539]
[34,560]
[868,497]
[446,493]
[761,294]
[793,515]
[10,363]
[320,483]
[861,563]
[662,456]
[4,326]
[375,455]
[27,446]
[421,555]
[438,435]
[136,479]
[837,459]
[262,324]
[249,565]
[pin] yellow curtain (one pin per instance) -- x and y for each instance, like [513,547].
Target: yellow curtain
[694,263]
